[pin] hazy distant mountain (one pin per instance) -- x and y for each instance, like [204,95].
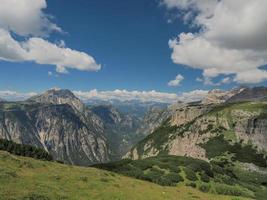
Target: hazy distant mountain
[120,129]
[133,107]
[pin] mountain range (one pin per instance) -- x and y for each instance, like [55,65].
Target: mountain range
[70,130]
[218,144]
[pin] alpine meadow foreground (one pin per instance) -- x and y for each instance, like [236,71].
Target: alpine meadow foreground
[29,179]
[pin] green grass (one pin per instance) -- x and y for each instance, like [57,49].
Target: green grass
[28,179]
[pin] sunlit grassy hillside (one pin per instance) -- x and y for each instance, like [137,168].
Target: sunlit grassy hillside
[29,179]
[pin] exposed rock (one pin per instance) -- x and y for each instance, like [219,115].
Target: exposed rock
[153,119]
[219,96]
[192,126]
[250,94]
[187,113]
[58,96]
[58,122]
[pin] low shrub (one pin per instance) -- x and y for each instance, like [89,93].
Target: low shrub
[204,177]
[191,184]
[204,188]
[190,174]
[232,190]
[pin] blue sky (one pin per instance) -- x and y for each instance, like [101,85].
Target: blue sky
[129,39]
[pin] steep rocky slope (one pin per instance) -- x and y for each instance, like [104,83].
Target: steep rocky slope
[189,129]
[58,122]
[153,119]
[120,130]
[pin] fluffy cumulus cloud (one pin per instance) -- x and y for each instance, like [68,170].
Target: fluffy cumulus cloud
[27,19]
[231,38]
[177,81]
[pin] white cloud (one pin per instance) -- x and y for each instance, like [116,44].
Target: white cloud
[26,18]
[177,81]
[208,81]
[194,95]
[63,58]
[122,95]
[231,40]
[15,96]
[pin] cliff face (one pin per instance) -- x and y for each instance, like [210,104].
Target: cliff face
[187,132]
[253,130]
[62,125]
[153,119]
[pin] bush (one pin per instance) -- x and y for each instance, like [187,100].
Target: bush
[232,190]
[174,177]
[225,179]
[204,188]
[191,184]
[204,177]
[190,174]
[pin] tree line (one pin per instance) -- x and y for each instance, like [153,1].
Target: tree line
[24,150]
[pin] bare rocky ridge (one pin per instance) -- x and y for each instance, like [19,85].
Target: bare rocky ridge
[250,94]
[220,96]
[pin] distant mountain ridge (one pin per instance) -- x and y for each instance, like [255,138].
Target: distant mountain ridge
[133,107]
[250,94]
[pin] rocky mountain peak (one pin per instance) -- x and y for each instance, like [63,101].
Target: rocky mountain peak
[250,94]
[59,96]
[217,96]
